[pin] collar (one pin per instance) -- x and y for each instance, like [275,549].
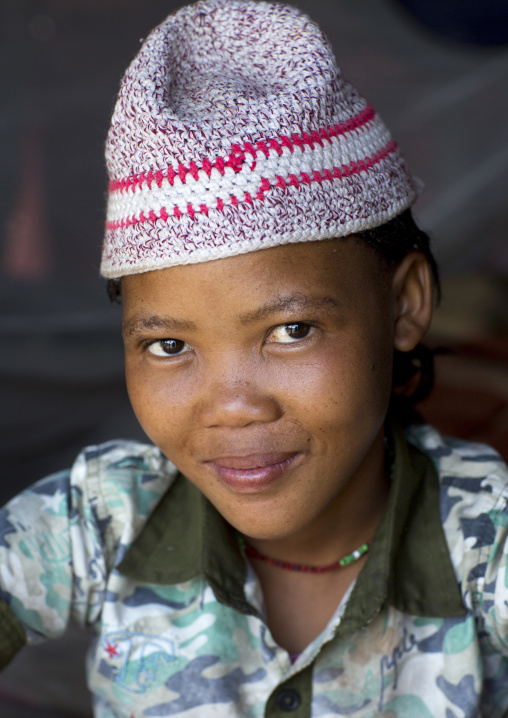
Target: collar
[409,565]
[186,537]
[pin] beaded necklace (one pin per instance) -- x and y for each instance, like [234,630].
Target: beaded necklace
[251,552]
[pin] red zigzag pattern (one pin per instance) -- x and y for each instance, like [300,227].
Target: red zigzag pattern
[292,180]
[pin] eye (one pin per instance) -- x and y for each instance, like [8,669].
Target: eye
[168,347]
[290,333]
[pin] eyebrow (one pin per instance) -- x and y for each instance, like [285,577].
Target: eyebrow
[289,303]
[169,324]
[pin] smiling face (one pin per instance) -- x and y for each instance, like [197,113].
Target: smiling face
[266,378]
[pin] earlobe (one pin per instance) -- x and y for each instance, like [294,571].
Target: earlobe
[412,294]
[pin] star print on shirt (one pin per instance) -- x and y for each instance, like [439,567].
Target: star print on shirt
[111,649]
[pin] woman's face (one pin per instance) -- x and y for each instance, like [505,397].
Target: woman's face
[266,378]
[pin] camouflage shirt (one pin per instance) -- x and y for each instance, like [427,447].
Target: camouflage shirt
[125,543]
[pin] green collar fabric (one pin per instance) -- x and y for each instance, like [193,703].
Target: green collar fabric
[408,565]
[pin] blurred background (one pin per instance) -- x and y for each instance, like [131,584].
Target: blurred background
[436,70]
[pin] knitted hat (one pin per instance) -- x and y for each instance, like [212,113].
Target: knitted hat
[234,131]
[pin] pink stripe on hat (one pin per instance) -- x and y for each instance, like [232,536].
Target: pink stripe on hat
[234,131]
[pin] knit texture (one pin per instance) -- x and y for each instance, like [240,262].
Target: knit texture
[234,131]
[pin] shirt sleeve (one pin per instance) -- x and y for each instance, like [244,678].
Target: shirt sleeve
[61,539]
[494,591]
[474,513]
[52,563]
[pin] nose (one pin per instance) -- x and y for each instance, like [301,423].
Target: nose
[237,401]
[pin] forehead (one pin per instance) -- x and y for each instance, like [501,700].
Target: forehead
[340,270]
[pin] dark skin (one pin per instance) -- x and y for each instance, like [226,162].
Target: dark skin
[266,379]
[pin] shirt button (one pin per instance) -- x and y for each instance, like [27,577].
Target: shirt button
[287,699]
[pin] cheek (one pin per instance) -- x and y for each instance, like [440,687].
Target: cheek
[161,405]
[349,383]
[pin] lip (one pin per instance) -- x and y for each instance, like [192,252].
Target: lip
[253,472]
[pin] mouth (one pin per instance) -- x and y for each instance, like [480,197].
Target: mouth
[253,472]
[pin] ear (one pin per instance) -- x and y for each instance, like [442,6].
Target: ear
[412,294]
